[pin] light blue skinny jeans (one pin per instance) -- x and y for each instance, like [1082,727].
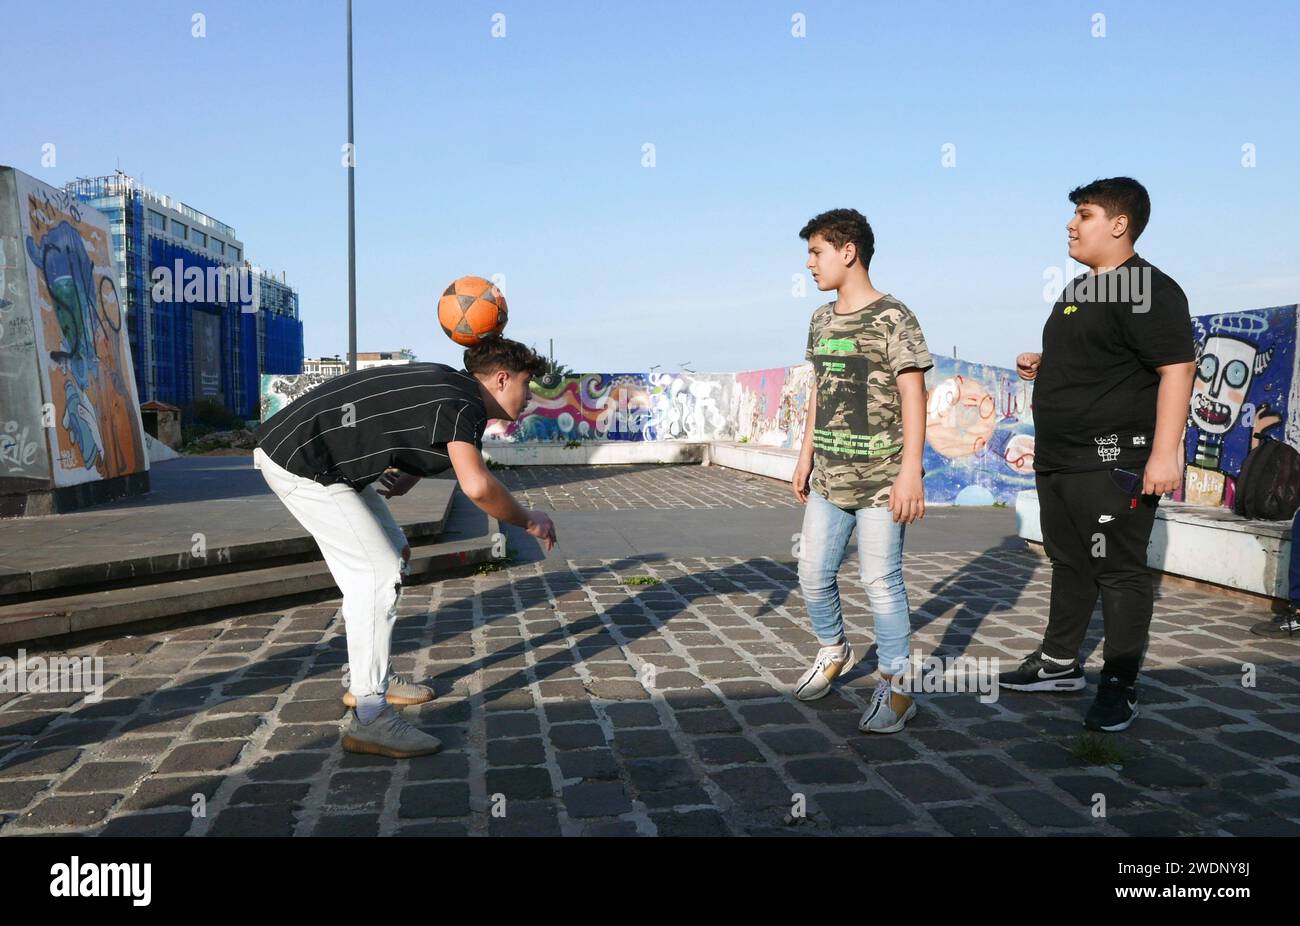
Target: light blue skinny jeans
[825,538]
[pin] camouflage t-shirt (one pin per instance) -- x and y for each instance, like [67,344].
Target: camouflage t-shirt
[858,434]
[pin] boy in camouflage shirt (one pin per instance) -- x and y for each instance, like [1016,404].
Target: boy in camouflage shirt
[862,449]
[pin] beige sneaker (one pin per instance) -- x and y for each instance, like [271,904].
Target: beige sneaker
[890,710]
[830,664]
[402,691]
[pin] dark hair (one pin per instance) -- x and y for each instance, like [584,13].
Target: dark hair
[1118,196]
[839,227]
[496,353]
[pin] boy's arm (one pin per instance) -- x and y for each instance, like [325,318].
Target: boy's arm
[486,491]
[907,497]
[1163,473]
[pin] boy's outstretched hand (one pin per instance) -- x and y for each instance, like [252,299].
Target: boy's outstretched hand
[541,527]
[395,482]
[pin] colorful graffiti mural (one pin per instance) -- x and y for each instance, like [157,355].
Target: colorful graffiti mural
[770,407]
[1244,387]
[979,433]
[77,374]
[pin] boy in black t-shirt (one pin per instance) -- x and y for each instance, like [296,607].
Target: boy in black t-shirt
[1111,394]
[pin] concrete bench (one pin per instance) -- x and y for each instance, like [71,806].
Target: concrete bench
[1207,544]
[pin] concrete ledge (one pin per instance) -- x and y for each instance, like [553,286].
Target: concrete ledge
[1206,544]
[537,453]
[774,462]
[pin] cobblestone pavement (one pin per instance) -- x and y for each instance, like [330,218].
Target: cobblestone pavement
[647,486]
[570,702]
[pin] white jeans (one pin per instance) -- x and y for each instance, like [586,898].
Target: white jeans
[365,550]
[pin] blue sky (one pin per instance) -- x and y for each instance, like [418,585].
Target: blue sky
[522,155]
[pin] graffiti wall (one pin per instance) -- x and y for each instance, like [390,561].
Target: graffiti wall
[76,385]
[24,454]
[770,407]
[1245,386]
[979,432]
[625,406]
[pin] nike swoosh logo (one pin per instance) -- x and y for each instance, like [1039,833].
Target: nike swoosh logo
[1105,519]
[1043,673]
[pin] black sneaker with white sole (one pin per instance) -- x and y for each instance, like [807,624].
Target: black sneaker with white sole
[1039,674]
[1115,708]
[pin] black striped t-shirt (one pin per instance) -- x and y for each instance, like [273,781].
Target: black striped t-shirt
[353,427]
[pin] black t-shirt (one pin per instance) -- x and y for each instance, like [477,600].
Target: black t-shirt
[1095,393]
[353,427]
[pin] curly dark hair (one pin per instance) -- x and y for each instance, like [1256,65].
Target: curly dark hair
[493,354]
[1118,196]
[839,227]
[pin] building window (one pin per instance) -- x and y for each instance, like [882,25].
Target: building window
[199,238]
[157,220]
[233,252]
[216,245]
[179,230]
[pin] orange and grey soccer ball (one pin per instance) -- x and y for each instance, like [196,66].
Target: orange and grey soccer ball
[472,309]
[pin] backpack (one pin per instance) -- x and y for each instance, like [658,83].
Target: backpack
[1269,484]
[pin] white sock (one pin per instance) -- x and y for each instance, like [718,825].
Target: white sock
[1059,662]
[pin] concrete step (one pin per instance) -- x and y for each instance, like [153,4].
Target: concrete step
[166,558]
[49,617]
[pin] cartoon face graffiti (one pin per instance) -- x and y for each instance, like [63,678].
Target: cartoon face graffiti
[1224,370]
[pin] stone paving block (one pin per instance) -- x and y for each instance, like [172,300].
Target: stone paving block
[693,823]
[596,764]
[149,824]
[641,743]
[15,795]
[440,799]
[727,750]
[862,807]
[824,771]
[80,810]
[754,787]
[519,784]
[254,821]
[287,793]
[201,757]
[1041,810]
[596,799]
[516,752]
[358,790]
[971,820]
[347,824]
[172,791]
[104,776]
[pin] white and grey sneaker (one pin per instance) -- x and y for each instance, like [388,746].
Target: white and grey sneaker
[883,716]
[831,662]
[389,735]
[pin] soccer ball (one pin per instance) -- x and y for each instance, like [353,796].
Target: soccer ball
[472,309]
